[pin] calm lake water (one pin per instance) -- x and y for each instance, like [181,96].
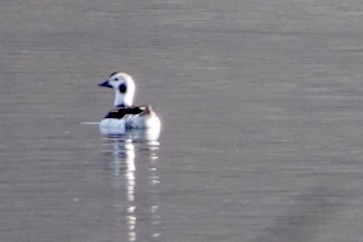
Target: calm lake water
[262,111]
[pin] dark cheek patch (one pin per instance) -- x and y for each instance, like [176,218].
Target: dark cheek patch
[122,88]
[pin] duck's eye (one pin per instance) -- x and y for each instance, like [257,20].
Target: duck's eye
[116,79]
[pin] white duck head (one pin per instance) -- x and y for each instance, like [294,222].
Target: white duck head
[124,87]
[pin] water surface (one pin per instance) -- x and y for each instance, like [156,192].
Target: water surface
[261,104]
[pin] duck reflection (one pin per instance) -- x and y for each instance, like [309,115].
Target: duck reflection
[136,200]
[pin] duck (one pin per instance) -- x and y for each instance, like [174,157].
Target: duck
[124,116]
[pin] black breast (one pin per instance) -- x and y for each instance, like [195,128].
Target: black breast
[119,113]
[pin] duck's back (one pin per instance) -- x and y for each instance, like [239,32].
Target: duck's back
[120,113]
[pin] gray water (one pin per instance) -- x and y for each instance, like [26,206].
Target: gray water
[262,111]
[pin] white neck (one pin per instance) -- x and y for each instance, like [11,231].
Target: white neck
[123,99]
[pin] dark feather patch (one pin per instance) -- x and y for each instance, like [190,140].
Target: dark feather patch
[122,88]
[113,73]
[119,113]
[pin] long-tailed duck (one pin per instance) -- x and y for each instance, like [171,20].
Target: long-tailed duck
[124,116]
